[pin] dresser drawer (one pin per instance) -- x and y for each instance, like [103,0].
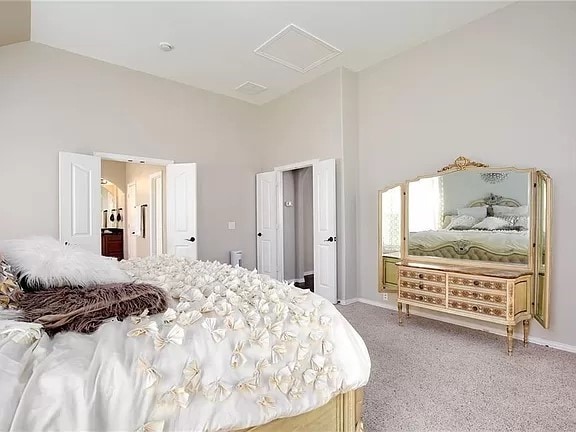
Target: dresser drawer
[425,299]
[467,281]
[497,297]
[423,275]
[421,286]
[477,308]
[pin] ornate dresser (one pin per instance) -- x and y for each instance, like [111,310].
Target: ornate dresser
[453,243]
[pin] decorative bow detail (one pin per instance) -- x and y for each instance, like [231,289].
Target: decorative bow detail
[174,336]
[150,328]
[153,426]
[151,375]
[238,359]
[192,375]
[218,334]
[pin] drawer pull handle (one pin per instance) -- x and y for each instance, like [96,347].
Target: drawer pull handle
[420,297]
[421,276]
[421,285]
[475,308]
[475,295]
[476,283]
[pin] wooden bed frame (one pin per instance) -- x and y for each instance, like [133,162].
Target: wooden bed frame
[342,414]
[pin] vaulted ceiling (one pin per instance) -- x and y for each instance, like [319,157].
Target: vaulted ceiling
[213,43]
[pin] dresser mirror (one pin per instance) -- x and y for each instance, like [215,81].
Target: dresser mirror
[469,240]
[390,226]
[473,215]
[543,255]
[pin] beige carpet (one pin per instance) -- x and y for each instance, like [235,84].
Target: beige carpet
[432,376]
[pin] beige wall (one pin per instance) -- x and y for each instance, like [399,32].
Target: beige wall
[304,124]
[52,100]
[115,172]
[14,21]
[502,91]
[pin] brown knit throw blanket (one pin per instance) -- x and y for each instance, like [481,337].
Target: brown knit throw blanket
[85,309]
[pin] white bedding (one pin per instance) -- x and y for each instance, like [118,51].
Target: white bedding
[258,350]
[495,241]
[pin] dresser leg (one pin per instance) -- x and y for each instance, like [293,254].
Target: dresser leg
[510,333]
[526,324]
[407,311]
[399,313]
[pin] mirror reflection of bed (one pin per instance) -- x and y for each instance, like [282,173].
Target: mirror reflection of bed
[471,216]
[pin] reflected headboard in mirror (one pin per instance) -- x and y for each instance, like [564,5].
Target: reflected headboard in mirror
[470,239]
[493,228]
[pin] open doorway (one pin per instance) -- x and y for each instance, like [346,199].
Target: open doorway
[133,208]
[296,210]
[146,185]
[298,227]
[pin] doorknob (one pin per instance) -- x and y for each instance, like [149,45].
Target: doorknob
[191,239]
[259,234]
[330,239]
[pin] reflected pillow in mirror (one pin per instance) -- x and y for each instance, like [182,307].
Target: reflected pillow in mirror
[510,211]
[478,212]
[462,222]
[522,223]
[492,223]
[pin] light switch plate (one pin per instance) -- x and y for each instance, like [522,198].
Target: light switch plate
[231,225]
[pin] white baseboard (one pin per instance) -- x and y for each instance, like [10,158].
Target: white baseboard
[476,325]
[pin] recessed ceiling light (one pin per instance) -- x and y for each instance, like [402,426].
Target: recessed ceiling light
[165,46]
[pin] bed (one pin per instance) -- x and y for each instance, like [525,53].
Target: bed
[508,244]
[495,246]
[236,351]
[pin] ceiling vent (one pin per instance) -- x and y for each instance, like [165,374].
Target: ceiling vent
[297,49]
[250,88]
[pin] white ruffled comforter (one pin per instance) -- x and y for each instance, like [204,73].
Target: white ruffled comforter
[237,349]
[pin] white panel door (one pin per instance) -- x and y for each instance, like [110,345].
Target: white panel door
[79,200]
[266,224]
[181,222]
[325,252]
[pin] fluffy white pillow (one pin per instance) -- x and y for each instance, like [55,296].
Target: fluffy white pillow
[44,262]
[492,223]
[462,222]
[510,211]
[478,212]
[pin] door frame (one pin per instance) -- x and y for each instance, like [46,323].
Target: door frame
[154,204]
[129,239]
[132,159]
[138,160]
[280,210]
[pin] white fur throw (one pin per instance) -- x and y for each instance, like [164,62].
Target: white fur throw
[43,262]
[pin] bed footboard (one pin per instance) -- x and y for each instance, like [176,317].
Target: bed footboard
[342,414]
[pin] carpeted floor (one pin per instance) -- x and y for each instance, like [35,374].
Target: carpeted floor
[432,376]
